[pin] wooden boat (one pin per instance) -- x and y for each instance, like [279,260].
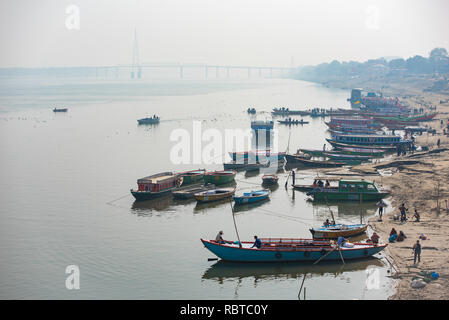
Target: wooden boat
[251,197]
[286,111]
[354,123]
[290,122]
[194,176]
[299,159]
[245,166]
[360,151]
[370,139]
[312,152]
[335,155]
[269,179]
[349,190]
[257,155]
[286,250]
[349,145]
[189,191]
[405,120]
[220,177]
[352,130]
[60,110]
[214,194]
[152,120]
[338,230]
[156,185]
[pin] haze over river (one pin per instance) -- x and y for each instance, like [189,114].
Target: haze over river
[65,181]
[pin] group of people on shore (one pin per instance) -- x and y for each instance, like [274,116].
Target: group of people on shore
[402,209]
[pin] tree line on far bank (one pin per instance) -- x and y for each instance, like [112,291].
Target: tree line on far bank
[436,63]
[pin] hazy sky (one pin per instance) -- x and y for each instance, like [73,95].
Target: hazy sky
[34,33]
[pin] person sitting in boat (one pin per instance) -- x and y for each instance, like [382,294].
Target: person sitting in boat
[315,184]
[341,241]
[326,223]
[257,243]
[219,238]
[327,185]
[320,183]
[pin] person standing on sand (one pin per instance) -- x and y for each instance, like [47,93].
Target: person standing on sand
[403,210]
[438,143]
[417,251]
[381,204]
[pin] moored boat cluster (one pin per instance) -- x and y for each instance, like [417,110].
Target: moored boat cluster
[356,135]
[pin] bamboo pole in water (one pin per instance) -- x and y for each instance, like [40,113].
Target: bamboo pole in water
[361,196]
[341,256]
[235,225]
[333,218]
[300,289]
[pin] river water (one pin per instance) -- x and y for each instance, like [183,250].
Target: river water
[65,181]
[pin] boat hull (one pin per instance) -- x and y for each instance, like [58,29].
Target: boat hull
[382,148]
[325,233]
[188,193]
[250,199]
[219,178]
[347,196]
[148,195]
[270,180]
[313,163]
[202,197]
[232,252]
[192,177]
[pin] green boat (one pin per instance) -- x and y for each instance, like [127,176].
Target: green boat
[191,177]
[220,177]
[360,151]
[349,190]
[344,151]
[312,152]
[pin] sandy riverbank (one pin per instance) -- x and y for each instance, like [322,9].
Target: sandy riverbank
[420,181]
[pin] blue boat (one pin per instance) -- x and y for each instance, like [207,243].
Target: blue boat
[251,197]
[288,250]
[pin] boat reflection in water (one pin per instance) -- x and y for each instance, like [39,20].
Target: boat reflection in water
[165,203]
[223,271]
[201,206]
[143,208]
[249,206]
[350,210]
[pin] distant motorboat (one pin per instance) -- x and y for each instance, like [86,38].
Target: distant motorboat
[60,110]
[152,120]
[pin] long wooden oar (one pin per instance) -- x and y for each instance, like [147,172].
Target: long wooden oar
[300,289]
[325,255]
[341,256]
[333,218]
[287,178]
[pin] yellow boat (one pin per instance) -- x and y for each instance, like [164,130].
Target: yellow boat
[214,195]
[338,230]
